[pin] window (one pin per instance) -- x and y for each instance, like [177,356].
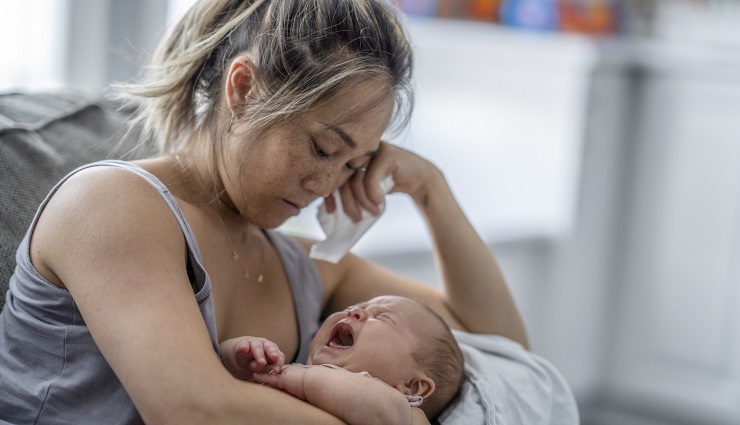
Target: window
[32,44]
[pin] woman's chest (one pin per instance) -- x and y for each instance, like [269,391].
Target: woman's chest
[250,289]
[250,305]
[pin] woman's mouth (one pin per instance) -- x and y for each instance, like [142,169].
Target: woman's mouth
[294,208]
[341,336]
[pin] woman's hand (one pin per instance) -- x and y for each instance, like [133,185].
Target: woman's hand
[247,355]
[411,174]
[474,297]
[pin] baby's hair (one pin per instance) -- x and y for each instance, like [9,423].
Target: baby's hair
[304,52]
[443,360]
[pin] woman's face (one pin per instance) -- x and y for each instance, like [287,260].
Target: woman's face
[296,162]
[377,336]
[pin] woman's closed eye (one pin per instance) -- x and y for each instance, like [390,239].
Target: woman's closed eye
[318,151]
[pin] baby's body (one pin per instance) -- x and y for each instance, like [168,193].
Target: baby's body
[385,338]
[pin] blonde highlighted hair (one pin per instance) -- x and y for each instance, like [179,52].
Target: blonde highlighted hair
[304,52]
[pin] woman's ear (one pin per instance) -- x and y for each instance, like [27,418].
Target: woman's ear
[239,82]
[420,384]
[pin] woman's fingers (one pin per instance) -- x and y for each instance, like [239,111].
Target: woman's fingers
[359,184]
[330,203]
[363,189]
[349,202]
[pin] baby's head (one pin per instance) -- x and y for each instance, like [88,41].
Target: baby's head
[398,341]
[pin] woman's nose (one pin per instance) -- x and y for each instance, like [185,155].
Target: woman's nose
[322,183]
[358,314]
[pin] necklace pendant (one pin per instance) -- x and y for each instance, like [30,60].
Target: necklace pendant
[259,278]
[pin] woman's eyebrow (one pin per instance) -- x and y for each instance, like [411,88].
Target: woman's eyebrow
[348,140]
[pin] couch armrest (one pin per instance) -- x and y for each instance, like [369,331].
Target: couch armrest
[43,136]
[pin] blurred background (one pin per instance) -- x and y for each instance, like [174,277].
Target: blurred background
[595,145]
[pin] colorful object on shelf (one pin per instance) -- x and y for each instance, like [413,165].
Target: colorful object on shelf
[593,17]
[447,9]
[530,14]
[589,16]
[482,10]
[418,7]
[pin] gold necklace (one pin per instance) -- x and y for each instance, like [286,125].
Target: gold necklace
[234,254]
[236,258]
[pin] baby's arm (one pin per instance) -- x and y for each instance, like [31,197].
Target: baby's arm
[246,355]
[354,398]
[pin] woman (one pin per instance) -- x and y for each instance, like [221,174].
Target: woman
[259,107]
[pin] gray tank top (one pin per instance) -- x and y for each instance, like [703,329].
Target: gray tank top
[51,371]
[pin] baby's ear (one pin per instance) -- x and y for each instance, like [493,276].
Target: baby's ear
[420,384]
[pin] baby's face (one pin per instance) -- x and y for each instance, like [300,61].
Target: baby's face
[377,336]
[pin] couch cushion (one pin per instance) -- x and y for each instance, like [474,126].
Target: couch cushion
[43,136]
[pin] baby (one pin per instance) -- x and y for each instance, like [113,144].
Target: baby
[405,346]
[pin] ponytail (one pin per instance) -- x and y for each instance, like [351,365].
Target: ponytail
[167,98]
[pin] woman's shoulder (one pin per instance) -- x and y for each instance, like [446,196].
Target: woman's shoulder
[105,210]
[101,185]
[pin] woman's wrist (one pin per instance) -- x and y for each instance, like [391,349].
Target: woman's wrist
[431,189]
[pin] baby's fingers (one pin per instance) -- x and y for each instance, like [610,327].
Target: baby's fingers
[258,354]
[275,356]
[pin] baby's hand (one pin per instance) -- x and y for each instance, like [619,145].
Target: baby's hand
[259,355]
[288,379]
[247,355]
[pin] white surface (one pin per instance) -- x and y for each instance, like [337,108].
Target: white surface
[32,44]
[677,345]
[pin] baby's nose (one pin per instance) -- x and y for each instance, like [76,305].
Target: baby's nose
[358,313]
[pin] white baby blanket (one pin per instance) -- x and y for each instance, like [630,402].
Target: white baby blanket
[508,385]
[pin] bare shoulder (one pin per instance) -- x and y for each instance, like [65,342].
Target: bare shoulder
[99,212]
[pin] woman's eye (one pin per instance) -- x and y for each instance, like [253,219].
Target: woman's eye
[318,151]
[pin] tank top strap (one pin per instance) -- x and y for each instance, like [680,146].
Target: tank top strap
[200,280]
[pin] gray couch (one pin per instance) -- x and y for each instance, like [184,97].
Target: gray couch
[43,136]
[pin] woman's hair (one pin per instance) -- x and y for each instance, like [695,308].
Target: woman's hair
[442,359]
[304,52]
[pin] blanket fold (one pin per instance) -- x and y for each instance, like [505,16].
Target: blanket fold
[507,384]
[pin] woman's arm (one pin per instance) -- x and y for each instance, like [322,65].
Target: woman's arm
[474,297]
[109,238]
[357,399]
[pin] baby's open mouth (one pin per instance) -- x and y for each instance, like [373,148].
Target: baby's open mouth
[341,336]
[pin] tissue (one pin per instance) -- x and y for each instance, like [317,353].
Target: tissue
[341,232]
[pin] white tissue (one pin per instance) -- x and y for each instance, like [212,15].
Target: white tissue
[341,232]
